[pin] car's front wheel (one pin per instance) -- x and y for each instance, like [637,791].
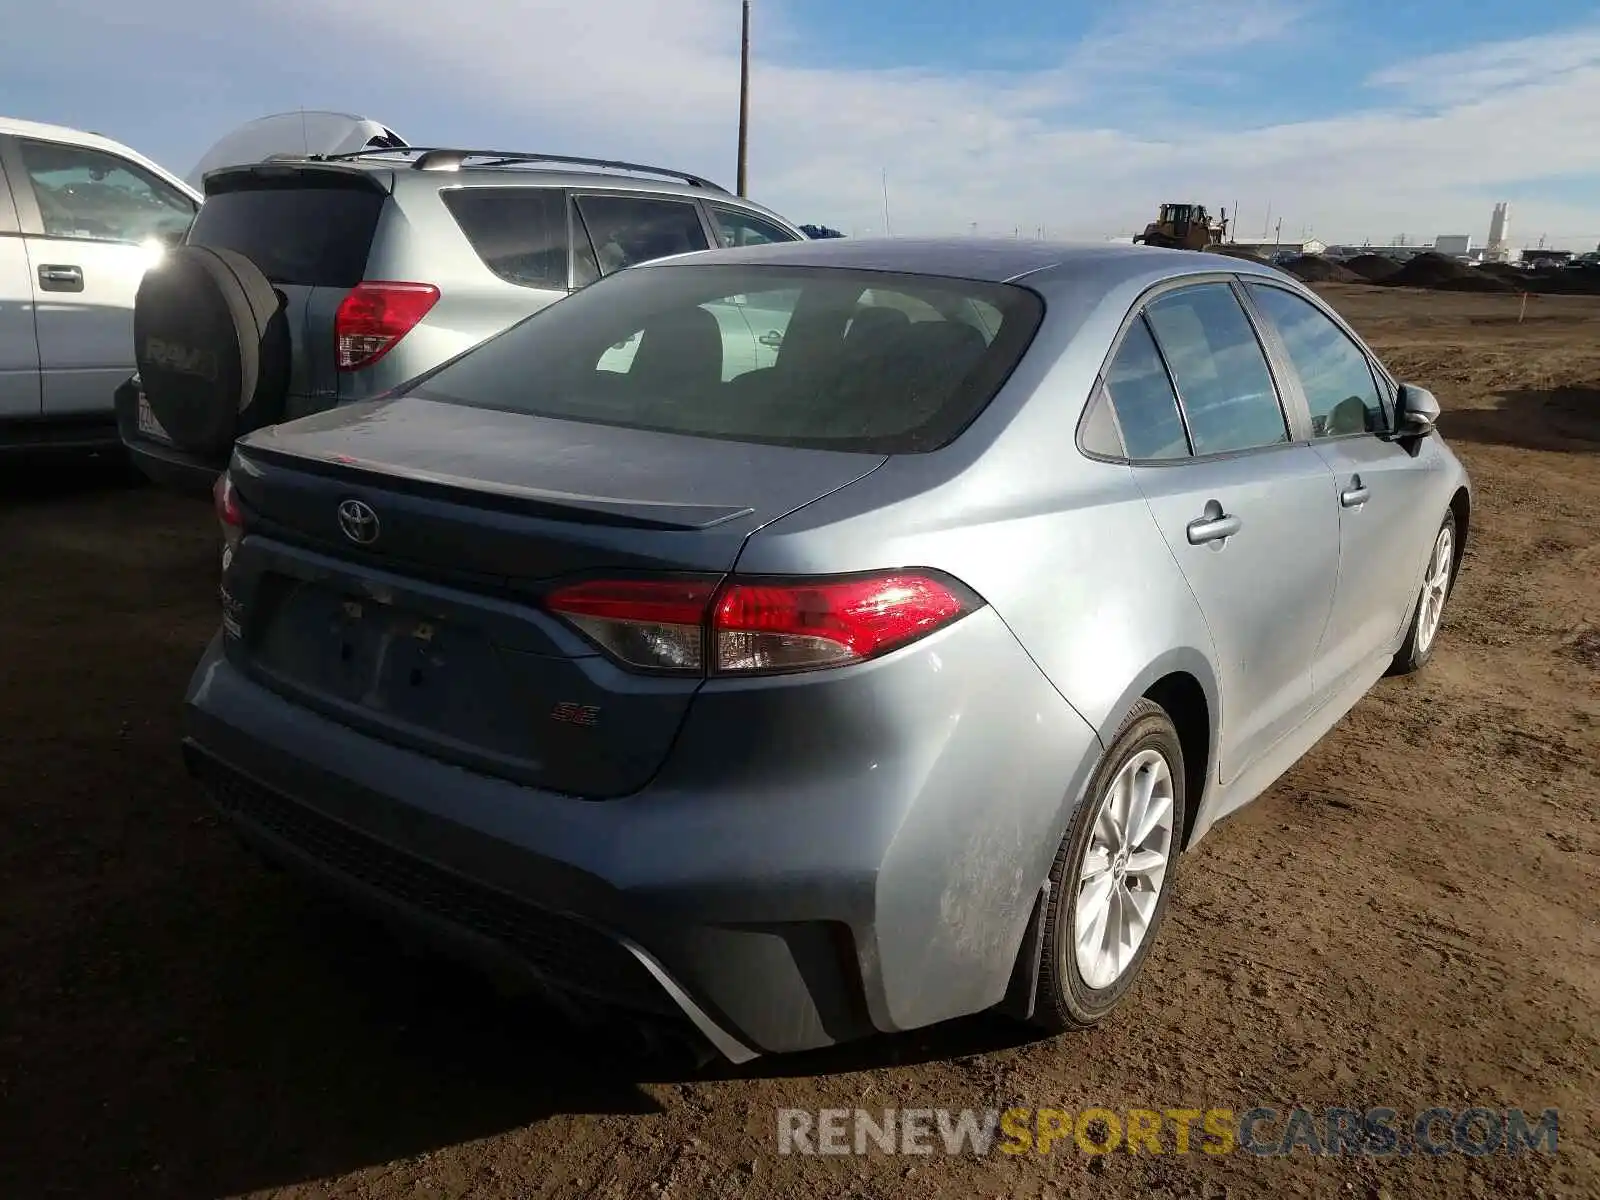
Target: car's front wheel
[1428,614]
[1113,873]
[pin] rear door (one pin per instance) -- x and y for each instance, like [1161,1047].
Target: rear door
[1381,492]
[92,223]
[520,235]
[309,229]
[1246,510]
[19,347]
[614,230]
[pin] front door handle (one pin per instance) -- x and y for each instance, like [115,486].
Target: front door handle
[1213,525]
[54,278]
[1356,494]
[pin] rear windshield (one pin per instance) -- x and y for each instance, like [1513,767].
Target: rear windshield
[807,357]
[313,236]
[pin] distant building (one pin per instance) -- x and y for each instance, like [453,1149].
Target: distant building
[1499,248]
[1453,245]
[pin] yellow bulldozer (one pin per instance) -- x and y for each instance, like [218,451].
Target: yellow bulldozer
[1185,227]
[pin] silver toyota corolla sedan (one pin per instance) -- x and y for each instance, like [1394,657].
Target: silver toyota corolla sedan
[810,640]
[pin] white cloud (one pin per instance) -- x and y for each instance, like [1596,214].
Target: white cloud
[1086,145]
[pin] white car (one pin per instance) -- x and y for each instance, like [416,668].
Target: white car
[81,218]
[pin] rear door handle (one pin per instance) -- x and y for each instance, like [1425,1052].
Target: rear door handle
[1213,525]
[61,278]
[1356,494]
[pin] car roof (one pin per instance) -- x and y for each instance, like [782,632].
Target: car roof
[400,171]
[1102,265]
[17,127]
[546,177]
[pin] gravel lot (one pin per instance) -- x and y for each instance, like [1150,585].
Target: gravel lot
[1409,918]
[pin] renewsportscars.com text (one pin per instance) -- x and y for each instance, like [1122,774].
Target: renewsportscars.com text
[1262,1130]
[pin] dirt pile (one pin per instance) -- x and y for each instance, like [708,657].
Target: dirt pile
[1565,281]
[1313,268]
[1374,268]
[1428,270]
[1238,252]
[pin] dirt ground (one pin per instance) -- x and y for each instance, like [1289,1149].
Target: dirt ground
[1407,919]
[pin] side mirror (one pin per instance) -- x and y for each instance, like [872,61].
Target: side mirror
[1416,411]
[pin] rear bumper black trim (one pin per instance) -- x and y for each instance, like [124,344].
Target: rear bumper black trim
[568,960]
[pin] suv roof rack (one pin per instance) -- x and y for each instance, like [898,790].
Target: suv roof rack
[442,158]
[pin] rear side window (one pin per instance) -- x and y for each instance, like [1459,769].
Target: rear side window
[794,356]
[735,227]
[1334,373]
[1223,381]
[1143,399]
[519,233]
[626,230]
[314,236]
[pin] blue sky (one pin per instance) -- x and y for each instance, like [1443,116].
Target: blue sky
[1351,118]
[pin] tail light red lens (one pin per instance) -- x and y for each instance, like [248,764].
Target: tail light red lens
[374,317]
[759,626]
[225,500]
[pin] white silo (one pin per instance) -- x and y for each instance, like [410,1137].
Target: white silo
[1499,231]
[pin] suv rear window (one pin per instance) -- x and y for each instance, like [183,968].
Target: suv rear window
[297,234]
[810,357]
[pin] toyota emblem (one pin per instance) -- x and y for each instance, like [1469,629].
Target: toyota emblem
[358,521]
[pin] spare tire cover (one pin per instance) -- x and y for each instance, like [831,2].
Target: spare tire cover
[211,343]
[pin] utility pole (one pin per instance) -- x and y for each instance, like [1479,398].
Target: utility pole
[744,99]
[888,229]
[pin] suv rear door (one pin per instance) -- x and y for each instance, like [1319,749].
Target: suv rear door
[612,230]
[309,228]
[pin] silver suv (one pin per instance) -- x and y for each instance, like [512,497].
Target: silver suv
[310,282]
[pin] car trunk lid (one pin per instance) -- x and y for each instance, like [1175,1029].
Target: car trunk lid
[427,629]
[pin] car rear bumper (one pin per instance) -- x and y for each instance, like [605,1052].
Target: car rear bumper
[780,892]
[167,466]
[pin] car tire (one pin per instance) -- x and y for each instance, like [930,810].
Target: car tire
[1078,989]
[1427,611]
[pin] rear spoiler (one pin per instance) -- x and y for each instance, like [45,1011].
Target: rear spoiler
[295,171]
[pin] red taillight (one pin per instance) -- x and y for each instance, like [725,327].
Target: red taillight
[759,626]
[656,624]
[230,516]
[375,316]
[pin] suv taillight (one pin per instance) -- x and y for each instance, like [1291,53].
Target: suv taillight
[375,316]
[229,515]
[759,626]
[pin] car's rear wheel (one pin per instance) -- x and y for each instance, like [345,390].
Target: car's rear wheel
[1113,874]
[1428,613]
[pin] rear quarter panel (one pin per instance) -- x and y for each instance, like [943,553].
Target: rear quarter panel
[1063,548]
[418,241]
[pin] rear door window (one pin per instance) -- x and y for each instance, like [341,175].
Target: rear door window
[736,227]
[298,230]
[1142,397]
[90,194]
[1221,373]
[519,233]
[625,230]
